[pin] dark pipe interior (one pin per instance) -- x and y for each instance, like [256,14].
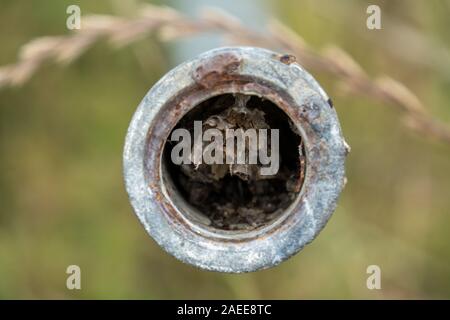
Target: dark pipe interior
[228,199]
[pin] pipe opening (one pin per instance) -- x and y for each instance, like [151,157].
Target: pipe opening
[231,195]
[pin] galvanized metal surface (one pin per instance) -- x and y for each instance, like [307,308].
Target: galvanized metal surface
[163,212]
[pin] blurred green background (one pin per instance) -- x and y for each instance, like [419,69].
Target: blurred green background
[62,199]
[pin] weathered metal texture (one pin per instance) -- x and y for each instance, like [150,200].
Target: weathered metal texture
[230,70]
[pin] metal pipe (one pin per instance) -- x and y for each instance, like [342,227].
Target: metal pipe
[166,214]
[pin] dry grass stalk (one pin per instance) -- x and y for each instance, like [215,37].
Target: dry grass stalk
[169,24]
